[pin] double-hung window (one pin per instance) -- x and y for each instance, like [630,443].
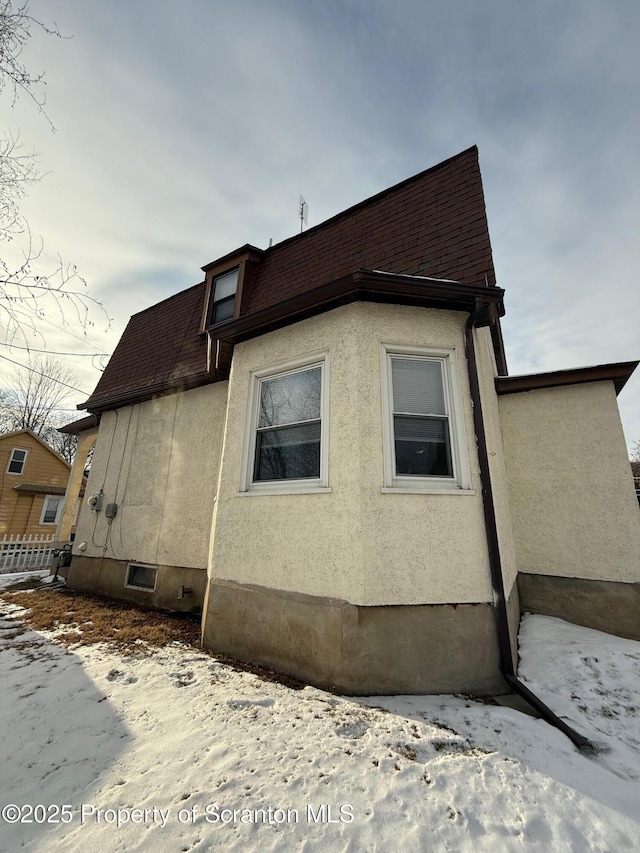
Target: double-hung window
[425,442]
[51,509]
[286,447]
[17,461]
[223,298]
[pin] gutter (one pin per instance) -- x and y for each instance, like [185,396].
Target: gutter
[617,373]
[497,578]
[364,286]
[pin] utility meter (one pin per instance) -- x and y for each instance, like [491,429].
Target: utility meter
[95,502]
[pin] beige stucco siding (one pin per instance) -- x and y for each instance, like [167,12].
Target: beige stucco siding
[573,506]
[355,543]
[495,448]
[157,460]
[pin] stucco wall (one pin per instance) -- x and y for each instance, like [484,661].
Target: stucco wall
[157,460]
[355,543]
[573,506]
[497,463]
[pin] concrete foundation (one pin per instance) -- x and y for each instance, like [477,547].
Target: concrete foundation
[359,650]
[107,577]
[604,605]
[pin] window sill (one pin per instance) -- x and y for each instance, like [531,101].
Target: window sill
[286,490]
[425,490]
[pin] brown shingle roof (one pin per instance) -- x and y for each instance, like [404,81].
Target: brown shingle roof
[76,427]
[160,346]
[433,224]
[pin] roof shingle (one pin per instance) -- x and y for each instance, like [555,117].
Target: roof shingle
[433,224]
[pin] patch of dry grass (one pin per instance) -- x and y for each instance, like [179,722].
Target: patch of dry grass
[85,619]
[93,619]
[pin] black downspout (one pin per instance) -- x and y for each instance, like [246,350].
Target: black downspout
[495,563]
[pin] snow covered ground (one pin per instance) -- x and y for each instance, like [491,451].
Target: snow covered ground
[174,751]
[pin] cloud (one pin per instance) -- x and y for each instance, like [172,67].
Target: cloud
[186,130]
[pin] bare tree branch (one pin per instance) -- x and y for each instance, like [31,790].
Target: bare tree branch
[31,286]
[15,31]
[18,172]
[27,296]
[32,399]
[635,459]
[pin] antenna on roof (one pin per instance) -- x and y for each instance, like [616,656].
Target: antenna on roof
[303,210]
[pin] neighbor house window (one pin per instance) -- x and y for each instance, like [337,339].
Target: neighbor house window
[286,448]
[51,509]
[425,443]
[141,577]
[223,297]
[17,461]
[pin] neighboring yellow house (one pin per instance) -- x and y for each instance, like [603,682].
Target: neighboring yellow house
[33,480]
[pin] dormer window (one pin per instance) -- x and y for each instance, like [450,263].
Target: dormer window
[223,299]
[226,279]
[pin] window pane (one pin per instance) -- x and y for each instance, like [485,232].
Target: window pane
[223,310]
[143,576]
[288,453]
[422,447]
[417,386]
[224,297]
[290,399]
[51,511]
[17,461]
[225,285]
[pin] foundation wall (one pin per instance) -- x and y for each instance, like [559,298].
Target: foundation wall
[359,650]
[603,605]
[107,577]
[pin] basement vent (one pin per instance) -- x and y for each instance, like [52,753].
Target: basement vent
[141,577]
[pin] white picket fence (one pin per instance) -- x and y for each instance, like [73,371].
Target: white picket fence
[25,553]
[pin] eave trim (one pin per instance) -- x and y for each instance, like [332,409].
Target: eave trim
[81,425]
[360,286]
[617,373]
[139,395]
[365,286]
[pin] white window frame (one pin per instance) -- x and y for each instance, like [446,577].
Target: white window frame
[129,585]
[60,500]
[24,461]
[460,482]
[278,487]
[214,302]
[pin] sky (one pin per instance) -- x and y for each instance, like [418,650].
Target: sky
[185,130]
